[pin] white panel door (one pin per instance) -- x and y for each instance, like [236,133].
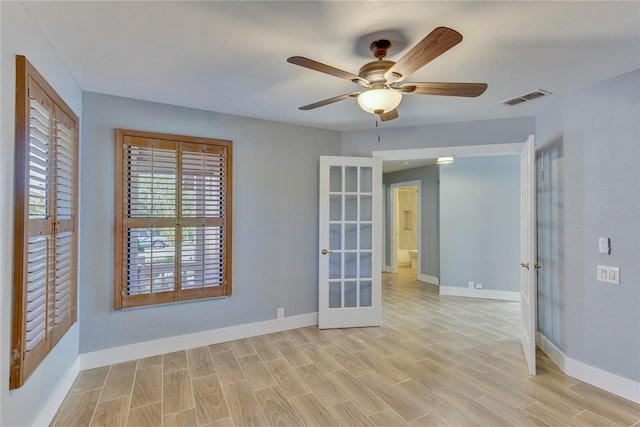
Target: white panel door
[350,263]
[528,288]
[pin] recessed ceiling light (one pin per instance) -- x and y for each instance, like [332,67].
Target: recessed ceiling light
[405,163]
[444,160]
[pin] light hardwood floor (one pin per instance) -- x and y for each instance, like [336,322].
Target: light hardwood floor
[435,361]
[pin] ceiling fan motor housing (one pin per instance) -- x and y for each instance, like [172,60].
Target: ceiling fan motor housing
[374,71]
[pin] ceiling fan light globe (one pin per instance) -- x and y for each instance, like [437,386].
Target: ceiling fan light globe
[378,101]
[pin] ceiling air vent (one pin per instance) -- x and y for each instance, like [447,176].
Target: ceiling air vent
[526,97]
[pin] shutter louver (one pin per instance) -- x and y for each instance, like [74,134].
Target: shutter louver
[152,182]
[39,153]
[38,270]
[65,171]
[151,260]
[203,184]
[202,257]
[65,254]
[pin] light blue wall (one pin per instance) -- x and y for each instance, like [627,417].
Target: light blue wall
[479,222]
[21,36]
[429,253]
[275,221]
[591,139]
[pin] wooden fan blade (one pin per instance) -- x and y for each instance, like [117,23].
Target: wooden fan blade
[327,69]
[470,90]
[329,101]
[435,44]
[390,115]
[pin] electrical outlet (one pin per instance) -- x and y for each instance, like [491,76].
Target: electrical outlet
[280,313]
[471,285]
[478,285]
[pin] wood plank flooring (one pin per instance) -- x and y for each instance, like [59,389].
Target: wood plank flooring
[436,361]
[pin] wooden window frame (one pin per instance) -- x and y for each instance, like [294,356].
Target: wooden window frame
[31,85]
[123,221]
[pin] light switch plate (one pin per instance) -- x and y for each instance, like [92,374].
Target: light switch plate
[608,274]
[604,246]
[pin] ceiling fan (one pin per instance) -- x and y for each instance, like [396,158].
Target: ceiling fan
[382,80]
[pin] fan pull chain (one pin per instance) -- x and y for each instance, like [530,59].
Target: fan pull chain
[377,127]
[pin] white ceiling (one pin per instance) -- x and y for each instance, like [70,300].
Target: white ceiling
[230,57]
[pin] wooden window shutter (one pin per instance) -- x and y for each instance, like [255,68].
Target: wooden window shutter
[204,197]
[173,223]
[45,247]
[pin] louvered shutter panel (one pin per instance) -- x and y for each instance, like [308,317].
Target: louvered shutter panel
[39,248]
[203,184]
[149,226]
[62,312]
[45,248]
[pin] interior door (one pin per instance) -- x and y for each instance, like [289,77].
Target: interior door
[350,263]
[528,288]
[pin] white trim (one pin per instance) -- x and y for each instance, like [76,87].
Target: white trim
[48,411]
[480,293]
[387,269]
[613,383]
[429,279]
[140,350]
[457,151]
[597,377]
[383,258]
[550,349]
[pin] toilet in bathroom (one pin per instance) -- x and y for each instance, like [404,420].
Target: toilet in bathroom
[413,258]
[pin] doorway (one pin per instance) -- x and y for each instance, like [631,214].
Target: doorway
[528,291]
[405,223]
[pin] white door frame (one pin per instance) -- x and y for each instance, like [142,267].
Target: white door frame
[393,223]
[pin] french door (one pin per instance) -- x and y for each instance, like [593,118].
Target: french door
[350,264]
[528,289]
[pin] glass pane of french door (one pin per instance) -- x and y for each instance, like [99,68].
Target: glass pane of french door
[350,225]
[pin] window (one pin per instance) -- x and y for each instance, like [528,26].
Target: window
[173,218]
[46,218]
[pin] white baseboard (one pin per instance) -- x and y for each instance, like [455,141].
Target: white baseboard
[429,279]
[597,377]
[550,349]
[140,350]
[387,269]
[46,414]
[479,293]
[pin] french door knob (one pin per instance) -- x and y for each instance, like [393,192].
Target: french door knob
[325,251]
[524,265]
